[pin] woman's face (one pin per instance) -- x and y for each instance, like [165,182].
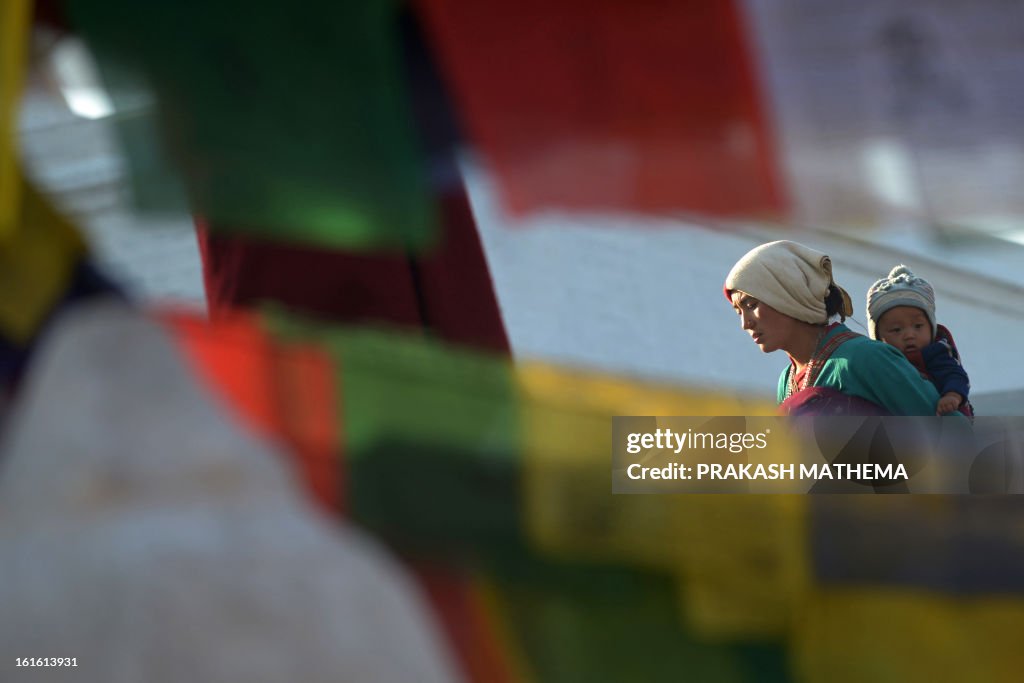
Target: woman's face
[769,329]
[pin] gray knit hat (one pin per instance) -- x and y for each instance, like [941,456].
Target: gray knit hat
[901,288]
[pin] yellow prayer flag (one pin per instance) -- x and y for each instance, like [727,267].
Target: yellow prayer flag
[14,28]
[908,636]
[746,563]
[569,506]
[742,558]
[36,264]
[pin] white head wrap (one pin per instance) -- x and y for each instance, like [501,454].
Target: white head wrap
[790,277]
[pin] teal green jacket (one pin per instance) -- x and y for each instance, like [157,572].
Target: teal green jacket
[874,371]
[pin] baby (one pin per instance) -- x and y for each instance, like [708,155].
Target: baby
[901,312]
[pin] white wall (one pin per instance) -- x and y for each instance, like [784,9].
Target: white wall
[644,295]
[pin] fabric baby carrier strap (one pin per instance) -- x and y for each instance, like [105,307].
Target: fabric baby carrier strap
[812,400]
[944,336]
[823,354]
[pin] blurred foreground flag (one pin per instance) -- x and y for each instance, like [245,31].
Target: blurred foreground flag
[897,108]
[431,433]
[493,480]
[179,538]
[283,392]
[589,104]
[288,119]
[577,621]
[867,634]
[932,543]
[37,263]
[14,24]
[913,588]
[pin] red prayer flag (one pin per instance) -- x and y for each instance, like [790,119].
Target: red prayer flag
[286,393]
[597,104]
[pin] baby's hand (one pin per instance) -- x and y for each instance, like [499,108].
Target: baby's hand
[949,402]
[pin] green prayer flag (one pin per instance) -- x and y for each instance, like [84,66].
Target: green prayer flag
[432,439]
[582,622]
[286,120]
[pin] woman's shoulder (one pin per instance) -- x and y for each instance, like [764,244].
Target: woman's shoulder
[865,349]
[863,356]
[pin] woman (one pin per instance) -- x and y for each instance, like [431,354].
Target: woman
[785,296]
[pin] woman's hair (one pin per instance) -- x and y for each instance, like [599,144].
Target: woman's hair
[834,302]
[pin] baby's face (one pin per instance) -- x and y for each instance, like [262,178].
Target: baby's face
[905,327]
